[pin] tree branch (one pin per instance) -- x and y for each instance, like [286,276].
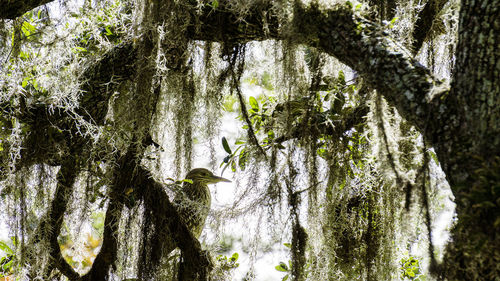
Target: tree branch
[167,220]
[250,130]
[12,9]
[121,180]
[50,225]
[358,43]
[100,79]
[423,26]
[363,46]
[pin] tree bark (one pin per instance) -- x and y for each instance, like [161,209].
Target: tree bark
[12,9]
[424,24]
[468,144]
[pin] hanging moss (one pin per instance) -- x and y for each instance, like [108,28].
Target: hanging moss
[318,146]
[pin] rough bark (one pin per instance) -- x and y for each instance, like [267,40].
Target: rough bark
[12,9]
[470,113]
[468,144]
[50,225]
[426,19]
[100,78]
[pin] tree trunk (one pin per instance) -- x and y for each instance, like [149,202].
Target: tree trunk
[469,144]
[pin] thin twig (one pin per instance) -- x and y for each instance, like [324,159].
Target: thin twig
[250,131]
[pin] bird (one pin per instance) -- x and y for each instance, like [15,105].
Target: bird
[192,203]
[194,199]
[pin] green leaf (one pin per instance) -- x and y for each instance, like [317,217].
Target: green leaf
[288,245]
[27,29]
[242,159]
[279,268]
[234,257]
[270,134]
[108,31]
[254,104]
[285,278]
[79,50]
[282,267]
[25,82]
[240,141]
[391,23]
[7,265]
[341,77]
[226,145]
[214,4]
[434,157]
[4,247]
[24,55]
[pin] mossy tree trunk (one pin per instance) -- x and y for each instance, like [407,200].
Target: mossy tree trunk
[468,144]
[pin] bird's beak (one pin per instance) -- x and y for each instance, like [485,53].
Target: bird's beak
[216,179]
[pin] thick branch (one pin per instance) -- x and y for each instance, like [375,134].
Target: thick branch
[359,44]
[423,26]
[50,226]
[364,47]
[170,225]
[12,9]
[123,178]
[108,253]
[102,77]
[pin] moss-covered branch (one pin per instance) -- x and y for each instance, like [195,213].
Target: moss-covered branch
[12,9]
[166,219]
[51,223]
[122,179]
[101,77]
[360,44]
[423,26]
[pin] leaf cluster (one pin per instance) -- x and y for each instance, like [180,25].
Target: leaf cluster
[410,269]
[7,261]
